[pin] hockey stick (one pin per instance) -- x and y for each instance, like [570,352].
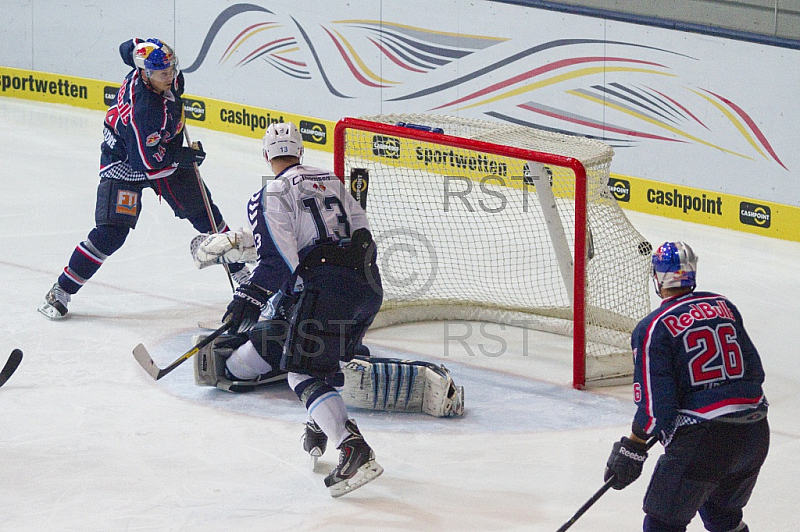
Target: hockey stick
[207,203]
[588,504]
[146,361]
[11,366]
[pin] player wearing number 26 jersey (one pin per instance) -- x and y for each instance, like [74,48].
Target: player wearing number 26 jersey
[697,388]
[694,361]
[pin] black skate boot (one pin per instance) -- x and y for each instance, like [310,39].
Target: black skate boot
[357,464]
[314,441]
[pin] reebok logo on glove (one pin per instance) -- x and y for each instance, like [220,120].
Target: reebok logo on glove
[632,455]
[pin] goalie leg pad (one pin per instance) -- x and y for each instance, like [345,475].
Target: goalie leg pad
[210,364]
[442,397]
[396,385]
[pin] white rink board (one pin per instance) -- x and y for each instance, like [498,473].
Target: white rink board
[679,108]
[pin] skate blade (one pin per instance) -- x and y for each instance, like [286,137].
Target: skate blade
[365,474]
[50,311]
[315,455]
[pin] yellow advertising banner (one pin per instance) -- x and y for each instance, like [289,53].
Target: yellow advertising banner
[715,209]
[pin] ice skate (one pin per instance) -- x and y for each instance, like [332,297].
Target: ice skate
[55,303]
[314,442]
[357,465]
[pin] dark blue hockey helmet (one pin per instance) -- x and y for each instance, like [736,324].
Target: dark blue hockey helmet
[674,266]
[153,55]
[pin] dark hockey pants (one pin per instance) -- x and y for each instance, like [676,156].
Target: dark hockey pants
[709,467]
[330,318]
[117,211]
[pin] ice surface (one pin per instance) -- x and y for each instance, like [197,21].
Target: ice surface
[91,443]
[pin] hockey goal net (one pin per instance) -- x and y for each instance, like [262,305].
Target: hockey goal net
[483,221]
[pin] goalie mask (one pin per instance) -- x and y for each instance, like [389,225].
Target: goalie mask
[282,140]
[156,58]
[674,266]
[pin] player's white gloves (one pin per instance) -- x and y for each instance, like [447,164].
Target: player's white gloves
[625,463]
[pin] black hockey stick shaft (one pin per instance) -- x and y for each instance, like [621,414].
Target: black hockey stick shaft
[594,498]
[146,361]
[207,203]
[11,366]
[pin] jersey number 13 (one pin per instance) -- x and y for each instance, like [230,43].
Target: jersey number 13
[329,203]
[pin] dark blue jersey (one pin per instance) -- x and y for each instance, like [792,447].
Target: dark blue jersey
[143,129]
[693,361]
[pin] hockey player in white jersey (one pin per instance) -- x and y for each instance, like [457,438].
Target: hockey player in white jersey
[315,252]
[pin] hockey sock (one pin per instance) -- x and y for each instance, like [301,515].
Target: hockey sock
[324,405]
[246,364]
[90,254]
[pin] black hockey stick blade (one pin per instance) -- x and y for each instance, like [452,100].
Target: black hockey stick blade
[593,499]
[146,361]
[11,366]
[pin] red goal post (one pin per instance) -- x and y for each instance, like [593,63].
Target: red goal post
[386,153]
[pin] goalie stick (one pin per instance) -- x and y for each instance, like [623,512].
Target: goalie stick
[11,366]
[146,361]
[594,498]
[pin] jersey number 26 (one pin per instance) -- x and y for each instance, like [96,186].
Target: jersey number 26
[715,354]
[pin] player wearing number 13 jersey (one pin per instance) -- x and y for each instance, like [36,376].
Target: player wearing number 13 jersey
[317,267]
[303,207]
[697,388]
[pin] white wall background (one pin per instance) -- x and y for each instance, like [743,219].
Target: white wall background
[678,107]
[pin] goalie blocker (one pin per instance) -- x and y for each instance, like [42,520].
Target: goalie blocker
[386,384]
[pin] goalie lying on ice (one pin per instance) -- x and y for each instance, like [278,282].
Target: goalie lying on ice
[243,362]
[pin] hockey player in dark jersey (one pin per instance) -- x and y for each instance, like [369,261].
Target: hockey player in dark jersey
[697,388]
[142,148]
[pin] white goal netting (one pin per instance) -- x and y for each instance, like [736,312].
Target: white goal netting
[478,228]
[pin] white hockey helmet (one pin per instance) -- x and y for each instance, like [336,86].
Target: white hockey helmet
[153,55]
[674,266]
[282,140]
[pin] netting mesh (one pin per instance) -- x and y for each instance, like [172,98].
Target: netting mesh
[465,234]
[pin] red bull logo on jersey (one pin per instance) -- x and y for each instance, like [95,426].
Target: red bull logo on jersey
[320,187]
[127,202]
[153,139]
[697,312]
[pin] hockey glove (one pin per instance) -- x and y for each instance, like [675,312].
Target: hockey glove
[245,309]
[189,156]
[625,463]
